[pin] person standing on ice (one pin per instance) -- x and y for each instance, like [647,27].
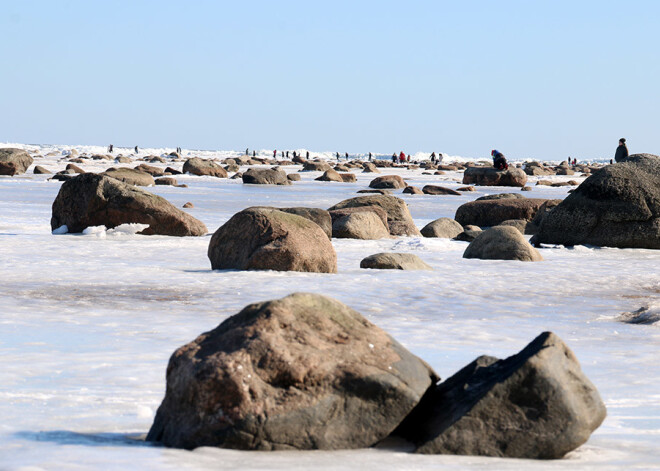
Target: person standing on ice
[307,154]
[136,149]
[110,149]
[499,161]
[621,151]
[402,157]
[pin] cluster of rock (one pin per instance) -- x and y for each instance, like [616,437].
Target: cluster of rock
[307,372]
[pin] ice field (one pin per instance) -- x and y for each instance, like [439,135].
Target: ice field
[88,322]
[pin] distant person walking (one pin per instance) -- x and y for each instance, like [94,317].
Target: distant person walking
[346,155]
[275,154]
[337,155]
[254,153]
[137,150]
[433,158]
[499,161]
[307,154]
[247,151]
[110,148]
[369,156]
[622,151]
[402,157]
[439,157]
[394,158]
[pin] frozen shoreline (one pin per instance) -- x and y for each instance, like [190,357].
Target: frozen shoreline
[89,323]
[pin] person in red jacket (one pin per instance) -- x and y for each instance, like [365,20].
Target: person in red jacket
[402,157]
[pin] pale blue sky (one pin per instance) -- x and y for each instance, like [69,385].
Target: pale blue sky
[532,79]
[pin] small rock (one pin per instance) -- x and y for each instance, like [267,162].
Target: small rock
[394,261]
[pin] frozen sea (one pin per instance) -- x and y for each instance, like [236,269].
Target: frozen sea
[88,322]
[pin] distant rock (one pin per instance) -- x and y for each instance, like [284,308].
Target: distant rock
[502,243]
[330,175]
[487,213]
[172,171]
[364,225]
[201,167]
[469,234]
[438,190]
[376,192]
[14,161]
[394,261]
[268,239]
[445,228]
[97,200]
[501,196]
[166,181]
[466,188]
[488,176]
[188,205]
[75,168]
[617,206]
[232,168]
[398,216]
[121,159]
[293,177]
[130,176]
[348,177]
[314,166]
[302,372]
[370,167]
[39,170]
[388,182]
[412,190]
[265,176]
[151,170]
[537,404]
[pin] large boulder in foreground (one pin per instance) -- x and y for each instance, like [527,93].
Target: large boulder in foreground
[130,176]
[399,219]
[491,212]
[445,228]
[265,176]
[263,238]
[14,161]
[96,200]
[301,372]
[201,167]
[617,206]
[488,176]
[502,243]
[536,404]
[394,261]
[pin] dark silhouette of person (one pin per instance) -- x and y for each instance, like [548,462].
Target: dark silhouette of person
[307,154]
[275,154]
[287,154]
[433,158]
[499,161]
[294,154]
[254,153]
[247,149]
[346,155]
[622,151]
[402,157]
[110,148]
[136,149]
[394,158]
[369,156]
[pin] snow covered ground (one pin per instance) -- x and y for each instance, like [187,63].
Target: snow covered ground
[88,322]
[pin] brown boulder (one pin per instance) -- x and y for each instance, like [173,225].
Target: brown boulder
[398,216]
[388,182]
[14,161]
[488,213]
[502,243]
[97,200]
[316,166]
[488,176]
[197,166]
[268,239]
[394,261]
[301,372]
[130,176]
[330,175]
[445,228]
[265,176]
[364,225]
[412,190]
[438,190]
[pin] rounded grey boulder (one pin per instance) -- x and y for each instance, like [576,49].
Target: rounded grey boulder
[502,243]
[394,261]
[445,228]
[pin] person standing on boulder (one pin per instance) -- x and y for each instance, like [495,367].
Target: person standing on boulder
[621,151]
[499,161]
